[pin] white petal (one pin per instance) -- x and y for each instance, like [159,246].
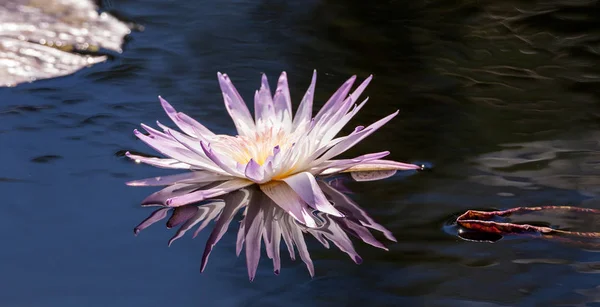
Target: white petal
[220,160]
[263,103]
[236,107]
[336,99]
[172,113]
[352,139]
[288,200]
[200,195]
[158,162]
[336,166]
[190,177]
[304,113]
[193,146]
[283,103]
[305,185]
[254,171]
[333,122]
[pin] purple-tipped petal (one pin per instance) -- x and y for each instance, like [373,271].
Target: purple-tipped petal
[333,122]
[199,130]
[337,97]
[241,235]
[332,231]
[156,216]
[319,236]
[158,162]
[235,106]
[285,197]
[160,198]
[354,138]
[263,102]
[189,178]
[275,240]
[335,126]
[305,185]
[298,239]
[172,113]
[353,211]
[181,215]
[216,158]
[268,244]
[360,89]
[254,171]
[185,141]
[213,210]
[170,149]
[336,166]
[153,133]
[304,113]
[360,232]
[282,101]
[254,225]
[177,143]
[287,237]
[200,195]
[191,222]
[234,202]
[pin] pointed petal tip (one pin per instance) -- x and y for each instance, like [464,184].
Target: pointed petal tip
[276,272]
[136,231]
[170,203]
[166,105]
[222,77]
[132,183]
[357,259]
[171,241]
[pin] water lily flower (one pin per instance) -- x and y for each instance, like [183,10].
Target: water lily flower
[276,153]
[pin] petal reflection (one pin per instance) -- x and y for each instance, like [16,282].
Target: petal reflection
[264,221]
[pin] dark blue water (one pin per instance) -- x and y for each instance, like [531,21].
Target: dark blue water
[502,102]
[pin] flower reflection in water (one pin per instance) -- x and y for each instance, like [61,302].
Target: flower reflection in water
[272,168]
[264,222]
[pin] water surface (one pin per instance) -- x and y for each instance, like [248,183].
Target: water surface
[500,98]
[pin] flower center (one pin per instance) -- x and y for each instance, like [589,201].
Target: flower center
[259,147]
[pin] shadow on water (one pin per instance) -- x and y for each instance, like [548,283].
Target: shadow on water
[499,96]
